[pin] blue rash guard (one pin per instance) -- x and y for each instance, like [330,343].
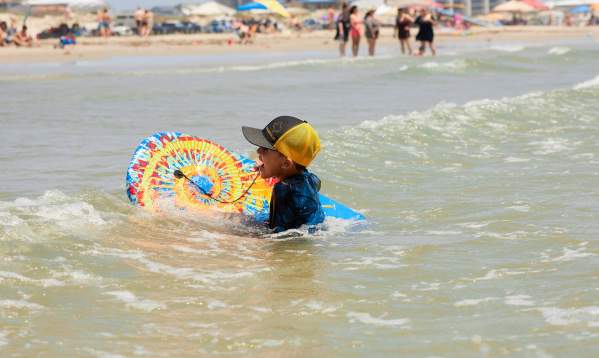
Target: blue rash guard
[295,202]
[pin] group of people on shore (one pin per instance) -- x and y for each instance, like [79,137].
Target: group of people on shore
[350,26]
[9,35]
[144,19]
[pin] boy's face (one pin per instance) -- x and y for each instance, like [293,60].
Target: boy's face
[272,163]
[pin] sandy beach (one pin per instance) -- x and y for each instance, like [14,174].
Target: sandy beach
[197,44]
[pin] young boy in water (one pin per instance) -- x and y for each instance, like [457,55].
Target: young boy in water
[286,146]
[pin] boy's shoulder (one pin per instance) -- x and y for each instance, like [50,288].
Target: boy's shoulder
[298,188]
[305,178]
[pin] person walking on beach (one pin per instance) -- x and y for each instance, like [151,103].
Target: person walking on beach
[343,26]
[104,23]
[403,22]
[371,31]
[355,29]
[425,34]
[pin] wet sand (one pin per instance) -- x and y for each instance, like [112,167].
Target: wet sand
[196,44]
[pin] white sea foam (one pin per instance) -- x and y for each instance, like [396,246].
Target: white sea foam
[216,304]
[550,146]
[381,263]
[20,304]
[132,301]
[474,301]
[516,160]
[366,318]
[451,66]
[519,300]
[568,255]
[499,273]
[52,207]
[321,307]
[426,286]
[508,48]
[443,232]
[474,225]
[47,282]
[559,50]
[570,316]
[523,208]
[102,354]
[587,84]
[3,338]
[6,219]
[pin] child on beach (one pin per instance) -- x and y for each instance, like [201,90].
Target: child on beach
[286,146]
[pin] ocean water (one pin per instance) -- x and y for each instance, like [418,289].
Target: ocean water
[478,171]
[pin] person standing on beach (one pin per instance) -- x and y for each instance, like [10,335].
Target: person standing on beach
[342,34]
[147,22]
[425,34]
[138,15]
[330,18]
[104,23]
[4,40]
[371,31]
[355,30]
[403,22]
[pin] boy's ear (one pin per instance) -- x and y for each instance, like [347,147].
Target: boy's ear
[288,163]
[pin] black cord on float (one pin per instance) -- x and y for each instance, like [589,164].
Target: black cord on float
[180,175]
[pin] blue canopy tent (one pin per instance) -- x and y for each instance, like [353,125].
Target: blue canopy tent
[580,9]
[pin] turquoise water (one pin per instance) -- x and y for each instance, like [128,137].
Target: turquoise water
[477,170]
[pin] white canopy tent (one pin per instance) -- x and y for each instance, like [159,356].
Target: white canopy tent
[513,6]
[568,3]
[78,4]
[210,8]
[367,4]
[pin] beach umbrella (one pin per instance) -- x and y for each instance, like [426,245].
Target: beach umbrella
[581,9]
[537,4]
[271,5]
[514,6]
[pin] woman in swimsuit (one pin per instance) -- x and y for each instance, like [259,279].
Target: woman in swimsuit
[403,22]
[425,32]
[355,29]
[371,31]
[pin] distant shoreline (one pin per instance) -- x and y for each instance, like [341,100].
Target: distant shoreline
[90,48]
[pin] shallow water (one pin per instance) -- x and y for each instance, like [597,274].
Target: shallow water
[477,170]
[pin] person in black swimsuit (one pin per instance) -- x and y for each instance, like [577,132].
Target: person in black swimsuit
[403,22]
[342,34]
[426,34]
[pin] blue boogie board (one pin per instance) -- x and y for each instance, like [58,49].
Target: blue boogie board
[196,174]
